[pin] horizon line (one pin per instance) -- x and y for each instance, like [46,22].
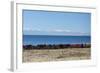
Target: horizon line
[57,35]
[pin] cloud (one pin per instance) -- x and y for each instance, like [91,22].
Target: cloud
[55,31]
[52,30]
[31,29]
[61,30]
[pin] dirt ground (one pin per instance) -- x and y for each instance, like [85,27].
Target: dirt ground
[56,54]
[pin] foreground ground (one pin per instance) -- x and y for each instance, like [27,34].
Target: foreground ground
[56,54]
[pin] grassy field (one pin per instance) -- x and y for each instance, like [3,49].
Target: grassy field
[42,55]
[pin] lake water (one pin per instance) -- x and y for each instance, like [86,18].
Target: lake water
[46,39]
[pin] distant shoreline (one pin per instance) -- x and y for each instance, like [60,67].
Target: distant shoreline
[55,35]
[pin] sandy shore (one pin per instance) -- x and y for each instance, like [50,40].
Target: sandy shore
[35,55]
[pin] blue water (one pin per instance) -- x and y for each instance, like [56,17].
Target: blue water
[46,39]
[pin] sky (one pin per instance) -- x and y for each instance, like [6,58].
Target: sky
[37,22]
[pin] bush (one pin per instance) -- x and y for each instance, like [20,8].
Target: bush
[54,46]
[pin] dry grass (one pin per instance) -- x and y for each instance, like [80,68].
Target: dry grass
[56,54]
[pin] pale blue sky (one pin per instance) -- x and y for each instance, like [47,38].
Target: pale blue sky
[56,23]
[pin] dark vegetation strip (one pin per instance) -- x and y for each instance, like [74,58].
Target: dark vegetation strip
[58,46]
